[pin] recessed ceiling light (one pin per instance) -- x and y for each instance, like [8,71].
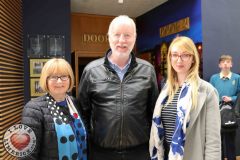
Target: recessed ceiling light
[120,1]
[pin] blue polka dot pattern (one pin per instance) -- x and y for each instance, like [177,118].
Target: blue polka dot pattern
[81,139]
[67,126]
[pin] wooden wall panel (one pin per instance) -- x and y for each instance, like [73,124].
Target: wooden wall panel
[88,33]
[88,38]
[11,68]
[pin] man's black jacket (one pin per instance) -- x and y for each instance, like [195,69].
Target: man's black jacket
[118,113]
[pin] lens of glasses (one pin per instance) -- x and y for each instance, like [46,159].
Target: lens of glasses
[55,78]
[183,57]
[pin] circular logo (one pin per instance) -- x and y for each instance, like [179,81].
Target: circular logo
[19,140]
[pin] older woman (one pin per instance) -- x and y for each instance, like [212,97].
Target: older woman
[186,119]
[60,132]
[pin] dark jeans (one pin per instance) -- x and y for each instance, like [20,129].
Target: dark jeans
[137,153]
[228,145]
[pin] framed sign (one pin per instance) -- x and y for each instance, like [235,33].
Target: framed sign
[36,66]
[55,46]
[36,46]
[35,88]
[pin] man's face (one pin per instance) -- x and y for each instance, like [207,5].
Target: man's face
[225,65]
[122,39]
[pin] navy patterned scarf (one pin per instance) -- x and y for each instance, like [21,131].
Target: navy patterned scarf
[184,105]
[71,133]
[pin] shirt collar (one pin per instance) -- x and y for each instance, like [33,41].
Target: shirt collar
[224,77]
[115,65]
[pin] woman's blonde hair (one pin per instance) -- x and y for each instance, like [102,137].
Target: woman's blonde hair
[187,45]
[56,66]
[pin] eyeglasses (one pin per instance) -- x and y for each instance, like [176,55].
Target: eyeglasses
[55,78]
[183,57]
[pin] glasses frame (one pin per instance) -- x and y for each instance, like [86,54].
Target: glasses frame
[184,57]
[55,78]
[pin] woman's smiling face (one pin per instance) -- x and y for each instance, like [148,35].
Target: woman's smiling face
[58,85]
[181,60]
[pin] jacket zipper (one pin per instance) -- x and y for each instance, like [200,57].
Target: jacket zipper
[122,110]
[122,106]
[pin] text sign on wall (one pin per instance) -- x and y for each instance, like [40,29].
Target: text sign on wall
[94,38]
[181,25]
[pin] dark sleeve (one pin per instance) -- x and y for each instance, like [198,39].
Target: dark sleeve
[32,117]
[84,99]
[153,94]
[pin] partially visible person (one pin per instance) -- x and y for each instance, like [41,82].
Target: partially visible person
[186,119]
[54,118]
[227,84]
[117,94]
[237,106]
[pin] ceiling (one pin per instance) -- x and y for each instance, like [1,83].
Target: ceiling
[132,8]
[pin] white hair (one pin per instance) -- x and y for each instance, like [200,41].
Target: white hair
[122,19]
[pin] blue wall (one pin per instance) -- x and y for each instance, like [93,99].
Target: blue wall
[221,32]
[214,23]
[148,24]
[45,17]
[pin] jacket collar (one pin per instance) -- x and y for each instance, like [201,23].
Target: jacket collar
[196,111]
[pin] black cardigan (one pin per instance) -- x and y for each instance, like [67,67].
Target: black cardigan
[37,116]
